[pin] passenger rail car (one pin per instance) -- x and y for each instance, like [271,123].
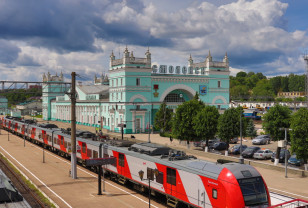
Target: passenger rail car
[181,178]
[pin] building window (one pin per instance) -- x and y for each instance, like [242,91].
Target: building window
[112,83]
[219,84]
[138,81]
[121,81]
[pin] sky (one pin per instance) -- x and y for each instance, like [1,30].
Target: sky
[40,36]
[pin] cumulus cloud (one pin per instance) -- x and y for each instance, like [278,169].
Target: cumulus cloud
[8,52]
[79,35]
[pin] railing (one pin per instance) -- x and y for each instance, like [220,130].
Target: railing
[292,204]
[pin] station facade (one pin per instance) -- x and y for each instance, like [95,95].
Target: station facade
[134,90]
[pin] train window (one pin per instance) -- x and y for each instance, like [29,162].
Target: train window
[214,193]
[150,174]
[65,144]
[171,176]
[253,190]
[121,160]
[95,154]
[160,178]
[55,140]
[89,152]
[106,155]
[84,147]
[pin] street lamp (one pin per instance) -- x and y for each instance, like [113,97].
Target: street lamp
[241,147]
[285,152]
[141,173]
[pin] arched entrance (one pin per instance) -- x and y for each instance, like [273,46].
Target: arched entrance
[177,94]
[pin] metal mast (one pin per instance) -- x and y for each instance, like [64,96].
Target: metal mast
[306,78]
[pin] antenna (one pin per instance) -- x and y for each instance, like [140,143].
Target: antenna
[305,56]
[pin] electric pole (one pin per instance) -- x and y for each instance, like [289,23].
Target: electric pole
[73,127]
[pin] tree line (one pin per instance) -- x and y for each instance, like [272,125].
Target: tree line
[20,95]
[195,121]
[251,86]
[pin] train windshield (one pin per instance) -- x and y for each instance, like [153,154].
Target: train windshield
[254,191]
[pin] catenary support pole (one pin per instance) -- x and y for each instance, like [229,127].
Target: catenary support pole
[73,127]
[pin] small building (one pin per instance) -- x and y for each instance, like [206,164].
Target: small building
[3,105]
[27,108]
[291,94]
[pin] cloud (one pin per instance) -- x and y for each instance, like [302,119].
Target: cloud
[8,52]
[55,35]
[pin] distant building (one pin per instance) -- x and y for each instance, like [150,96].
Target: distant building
[3,105]
[35,87]
[134,90]
[30,107]
[291,94]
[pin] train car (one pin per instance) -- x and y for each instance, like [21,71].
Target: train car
[183,179]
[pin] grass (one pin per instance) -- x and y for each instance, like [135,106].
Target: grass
[30,185]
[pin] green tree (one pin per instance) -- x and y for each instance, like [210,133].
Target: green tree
[275,82]
[250,130]
[205,123]
[229,124]
[284,84]
[299,134]
[277,117]
[163,118]
[263,90]
[241,74]
[239,92]
[182,123]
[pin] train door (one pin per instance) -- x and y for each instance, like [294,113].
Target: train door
[203,198]
[121,164]
[44,137]
[23,129]
[171,181]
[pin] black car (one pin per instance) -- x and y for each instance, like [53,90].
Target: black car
[249,151]
[281,156]
[219,146]
[236,149]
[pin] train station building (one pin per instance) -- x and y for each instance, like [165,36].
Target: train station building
[133,90]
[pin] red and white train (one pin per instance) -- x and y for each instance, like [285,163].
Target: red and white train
[184,180]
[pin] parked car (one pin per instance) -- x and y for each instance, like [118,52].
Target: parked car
[281,156]
[197,143]
[211,143]
[249,151]
[236,149]
[219,146]
[261,139]
[293,160]
[263,154]
[234,140]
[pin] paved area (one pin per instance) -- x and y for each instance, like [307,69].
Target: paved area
[52,177]
[83,191]
[293,186]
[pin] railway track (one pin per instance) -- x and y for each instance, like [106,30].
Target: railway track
[28,194]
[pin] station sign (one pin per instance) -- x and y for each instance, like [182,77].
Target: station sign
[164,69]
[101,161]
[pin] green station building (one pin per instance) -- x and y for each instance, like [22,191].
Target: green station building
[133,90]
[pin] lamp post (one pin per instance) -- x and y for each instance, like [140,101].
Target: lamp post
[285,152]
[241,160]
[141,173]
